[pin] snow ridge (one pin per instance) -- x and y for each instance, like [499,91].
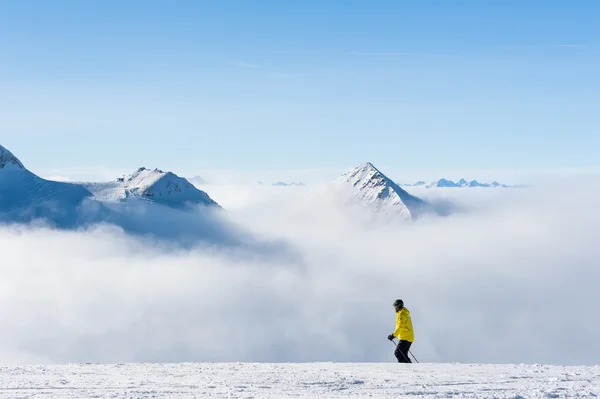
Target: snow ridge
[151,185]
[25,196]
[367,185]
[8,160]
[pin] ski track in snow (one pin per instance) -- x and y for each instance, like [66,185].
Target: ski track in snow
[325,380]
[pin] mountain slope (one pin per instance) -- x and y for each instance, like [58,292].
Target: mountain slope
[366,185]
[8,160]
[164,188]
[25,196]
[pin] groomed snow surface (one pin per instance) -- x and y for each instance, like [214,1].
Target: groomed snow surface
[324,380]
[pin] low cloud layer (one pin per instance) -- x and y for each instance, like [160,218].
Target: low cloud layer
[511,277]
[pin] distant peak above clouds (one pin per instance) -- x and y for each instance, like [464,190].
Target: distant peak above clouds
[284,184]
[152,185]
[146,202]
[366,185]
[25,196]
[8,160]
[443,182]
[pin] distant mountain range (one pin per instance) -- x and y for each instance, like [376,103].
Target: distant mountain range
[284,184]
[147,202]
[438,183]
[160,203]
[461,183]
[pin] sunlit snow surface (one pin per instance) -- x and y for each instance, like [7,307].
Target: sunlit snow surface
[326,380]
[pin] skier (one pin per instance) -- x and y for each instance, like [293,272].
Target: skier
[404,332]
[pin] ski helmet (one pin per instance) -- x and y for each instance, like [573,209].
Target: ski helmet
[398,303]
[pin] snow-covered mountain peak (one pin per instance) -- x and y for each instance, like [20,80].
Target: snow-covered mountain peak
[363,176]
[152,185]
[443,183]
[143,177]
[366,185]
[8,160]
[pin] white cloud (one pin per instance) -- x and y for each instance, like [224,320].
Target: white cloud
[514,279]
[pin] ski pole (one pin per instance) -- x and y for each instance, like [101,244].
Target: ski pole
[401,352]
[413,356]
[408,352]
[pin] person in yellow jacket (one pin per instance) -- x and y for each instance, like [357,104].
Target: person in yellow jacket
[404,332]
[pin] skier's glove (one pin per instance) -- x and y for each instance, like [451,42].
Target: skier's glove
[391,337]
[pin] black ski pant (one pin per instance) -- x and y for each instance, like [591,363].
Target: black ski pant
[401,352]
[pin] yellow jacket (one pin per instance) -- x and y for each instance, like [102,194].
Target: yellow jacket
[404,328]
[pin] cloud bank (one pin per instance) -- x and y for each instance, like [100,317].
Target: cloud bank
[511,277]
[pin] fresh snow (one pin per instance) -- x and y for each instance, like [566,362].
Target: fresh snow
[298,380]
[366,185]
[151,185]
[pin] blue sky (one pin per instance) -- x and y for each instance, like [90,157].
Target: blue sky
[272,85]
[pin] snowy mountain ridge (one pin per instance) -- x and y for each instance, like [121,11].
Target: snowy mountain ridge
[151,185]
[443,182]
[8,160]
[25,196]
[366,185]
[153,202]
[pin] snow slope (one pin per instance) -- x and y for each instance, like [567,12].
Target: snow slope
[366,185]
[25,197]
[164,188]
[324,380]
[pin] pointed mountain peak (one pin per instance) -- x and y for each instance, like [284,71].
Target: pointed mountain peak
[364,172]
[8,160]
[366,167]
[462,182]
[368,186]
